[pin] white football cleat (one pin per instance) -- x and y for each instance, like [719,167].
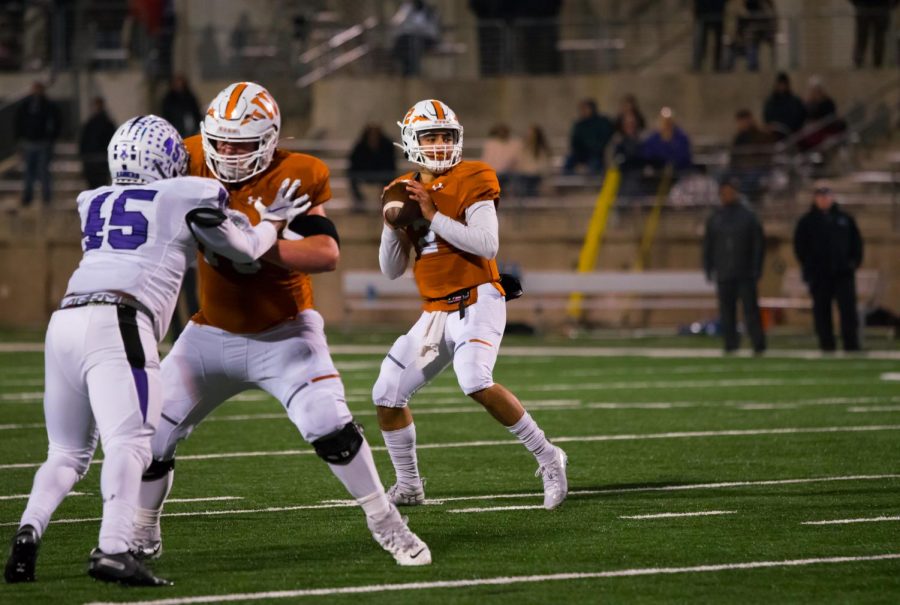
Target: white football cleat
[391,532]
[404,495]
[556,486]
[147,542]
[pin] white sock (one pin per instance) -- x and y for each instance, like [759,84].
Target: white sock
[152,495]
[120,481]
[360,476]
[532,437]
[53,481]
[401,445]
[375,505]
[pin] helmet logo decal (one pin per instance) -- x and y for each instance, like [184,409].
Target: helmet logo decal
[233,100]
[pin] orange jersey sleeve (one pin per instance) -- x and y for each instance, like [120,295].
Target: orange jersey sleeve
[440,268]
[250,298]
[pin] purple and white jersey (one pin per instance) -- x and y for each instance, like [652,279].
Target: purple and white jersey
[136,240]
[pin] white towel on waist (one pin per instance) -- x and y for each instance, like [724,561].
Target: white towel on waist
[431,342]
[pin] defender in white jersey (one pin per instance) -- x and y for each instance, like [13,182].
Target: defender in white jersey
[101,360]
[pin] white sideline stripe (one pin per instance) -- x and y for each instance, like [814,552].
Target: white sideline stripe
[579,439]
[560,387]
[211,513]
[506,580]
[472,409]
[844,521]
[24,496]
[210,499]
[491,509]
[543,352]
[874,408]
[673,515]
[656,488]
[328,504]
[891,376]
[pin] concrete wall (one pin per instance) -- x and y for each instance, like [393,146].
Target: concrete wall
[39,252]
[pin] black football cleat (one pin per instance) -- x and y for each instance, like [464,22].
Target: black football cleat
[22,556]
[123,568]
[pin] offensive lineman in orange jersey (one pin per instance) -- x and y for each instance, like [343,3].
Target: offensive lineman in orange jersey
[464,316]
[257,326]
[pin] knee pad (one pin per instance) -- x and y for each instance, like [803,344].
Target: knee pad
[78,459]
[158,469]
[341,446]
[317,411]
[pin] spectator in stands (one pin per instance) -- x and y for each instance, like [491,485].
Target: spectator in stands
[874,16]
[669,145]
[95,135]
[628,157]
[784,112]
[416,29]
[751,155]
[372,160]
[180,107]
[629,106]
[502,152]
[822,121]
[709,18]
[733,250]
[535,162]
[829,247]
[537,35]
[494,22]
[756,23]
[36,127]
[590,135]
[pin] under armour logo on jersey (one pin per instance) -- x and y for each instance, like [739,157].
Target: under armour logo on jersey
[437,186]
[252,200]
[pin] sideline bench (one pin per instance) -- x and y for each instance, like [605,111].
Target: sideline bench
[795,294]
[550,290]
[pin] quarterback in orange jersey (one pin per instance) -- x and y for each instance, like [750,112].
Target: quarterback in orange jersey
[257,327]
[464,302]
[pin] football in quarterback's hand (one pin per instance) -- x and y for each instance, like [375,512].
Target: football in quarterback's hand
[398,209]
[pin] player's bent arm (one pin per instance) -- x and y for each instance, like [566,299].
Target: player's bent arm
[480,236]
[393,252]
[311,244]
[230,234]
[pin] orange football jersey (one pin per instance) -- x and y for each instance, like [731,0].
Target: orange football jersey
[250,298]
[441,269]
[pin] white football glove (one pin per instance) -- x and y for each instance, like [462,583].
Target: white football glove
[286,206]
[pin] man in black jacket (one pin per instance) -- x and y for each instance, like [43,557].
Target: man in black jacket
[92,144]
[830,250]
[36,127]
[733,250]
[784,112]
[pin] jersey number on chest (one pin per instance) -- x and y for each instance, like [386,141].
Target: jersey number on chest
[122,229]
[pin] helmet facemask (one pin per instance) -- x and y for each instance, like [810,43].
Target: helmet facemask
[238,167]
[431,116]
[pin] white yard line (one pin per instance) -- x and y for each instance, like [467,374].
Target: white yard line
[893,376]
[330,504]
[874,408]
[491,509]
[587,351]
[704,513]
[845,521]
[567,404]
[210,499]
[655,488]
[507,580]
[24,496]
[578,439]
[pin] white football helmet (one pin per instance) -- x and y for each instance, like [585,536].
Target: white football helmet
[426,115]
[242,113]
[146,149]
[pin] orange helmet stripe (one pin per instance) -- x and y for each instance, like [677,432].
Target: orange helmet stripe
[233,99]
[439,110]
